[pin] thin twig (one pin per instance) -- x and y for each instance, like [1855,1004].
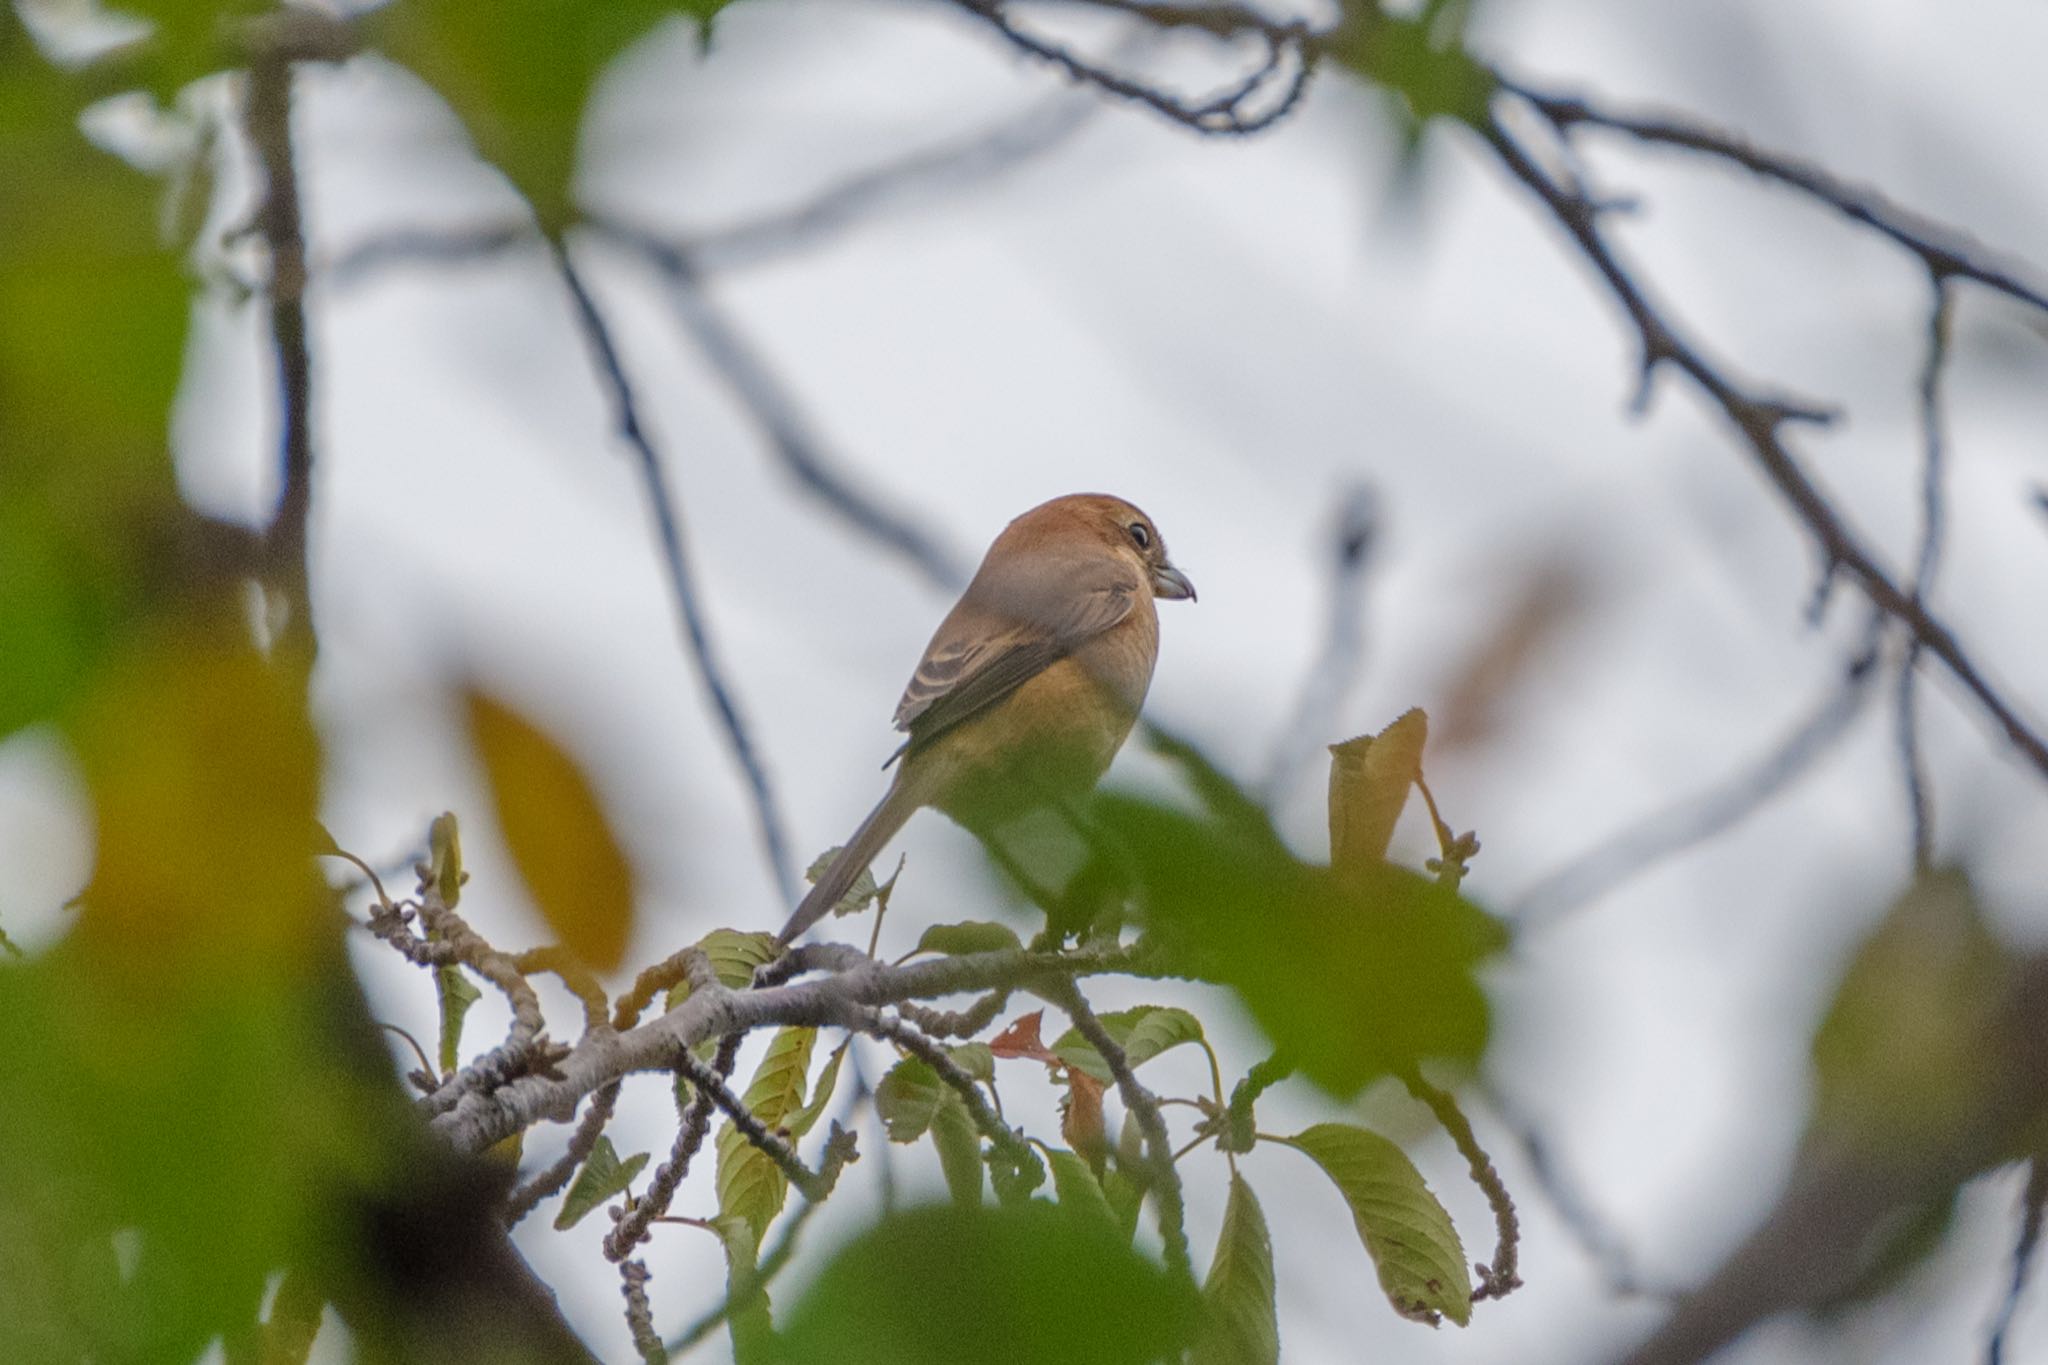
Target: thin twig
[1760,421]
[582,1143]
[1502,1277]
[267,116]
[631,1229]
[2033,1204]
[1912,766]
[696,629]
[1144,1107]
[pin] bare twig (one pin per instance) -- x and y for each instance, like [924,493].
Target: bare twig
[1246,105]
[2033,1204]
[696,629]
[633,1277]
[990,1124]
[267,117]
[1330,678]
[1502,1277]
[631,1229]
[528,1195]
[1699,817]
[1919,797]
[1144,1107]
[1945,251]
[424,246]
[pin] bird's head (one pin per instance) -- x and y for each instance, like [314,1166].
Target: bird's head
[1122,528]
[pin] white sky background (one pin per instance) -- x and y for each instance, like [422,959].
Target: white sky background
[1229,334]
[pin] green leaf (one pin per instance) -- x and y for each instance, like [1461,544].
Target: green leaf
[1407,1232]
[969,936]
[457,995]
[1242,1326]
[1901,1058]
[858,896]
[1123,1183]
[1143,1032]
[747,1316]
[806,1118]
[188,39]
[750,1184]
[975,1059]
[1077,1189]
[603,1175]
[1023,1284]
[519,74]
[906,1099]
[1353,976]
[959,1144]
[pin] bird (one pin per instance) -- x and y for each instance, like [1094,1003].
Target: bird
[1030,684]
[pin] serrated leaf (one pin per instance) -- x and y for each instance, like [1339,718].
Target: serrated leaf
[557,833]
[518,73]
[858,896]
[1242,1326]
[1370,778]
[747,1316]
[959,1145]
[1079,1191]
[457,994]
[750,1184]
[1410,1237]
[1022,1284]
[734,957]
[969,936]
[1021,1039]
[1144,1032]
[602,1176]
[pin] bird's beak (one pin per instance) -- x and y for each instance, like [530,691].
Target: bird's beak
[1171,583]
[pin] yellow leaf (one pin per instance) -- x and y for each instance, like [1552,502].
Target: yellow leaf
[1369,781]
[557,834]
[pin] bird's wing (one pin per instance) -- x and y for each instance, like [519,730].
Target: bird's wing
[1002,633]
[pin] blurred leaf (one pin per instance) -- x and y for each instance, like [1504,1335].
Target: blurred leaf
[95,313]
[444,858]
[1422,60]
[557,834]
[519,74]
[1901,1058]
[806,1118]
[601,1177]
[1242,1326]
[748,1320]
[858,896]
[1078,1189]
[1351,976]
[959,1145]
[1370,778]
[1144,1032]
[750,1185]
[1021,1039]
[1125,1183]
[1409,1235]
[457,995]
[975,1059]
[969,936]
[1024,1284]
[189,39]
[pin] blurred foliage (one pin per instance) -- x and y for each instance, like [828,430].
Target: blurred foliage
[1232,903]
[1028,1284]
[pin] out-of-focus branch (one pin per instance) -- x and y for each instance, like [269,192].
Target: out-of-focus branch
[1760,421]
[682,582]
[2033,1204]
[1330,678]
[1699,817]
[777,413]
[267,115]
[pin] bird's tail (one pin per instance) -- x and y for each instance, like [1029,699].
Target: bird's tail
[875,831]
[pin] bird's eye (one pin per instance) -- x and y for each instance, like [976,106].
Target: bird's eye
[1141,535]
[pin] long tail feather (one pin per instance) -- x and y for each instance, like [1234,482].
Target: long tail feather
[875,831]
